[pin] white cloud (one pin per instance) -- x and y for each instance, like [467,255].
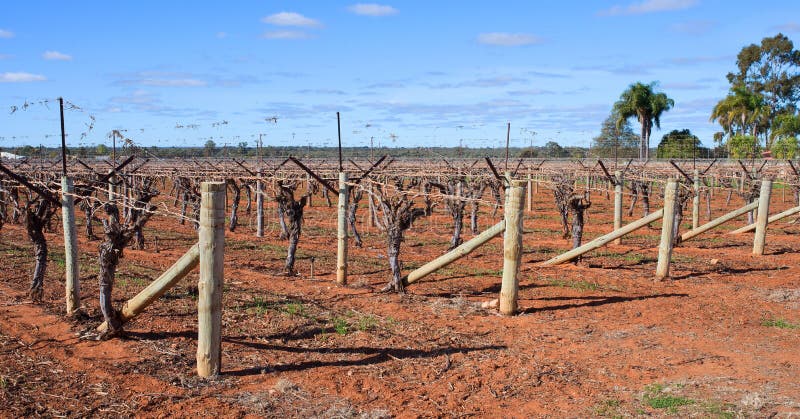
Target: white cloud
[174,82]
[20,77]
[286,35]
[508,39]
[56,56]
[648,6]
[161,79]
[289,19]
[694,27]
[788,27]
[5,33]
[372,9]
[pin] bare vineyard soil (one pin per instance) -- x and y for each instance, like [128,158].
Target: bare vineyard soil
[599,338]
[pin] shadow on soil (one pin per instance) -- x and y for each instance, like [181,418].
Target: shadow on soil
[595,301]
[376,356]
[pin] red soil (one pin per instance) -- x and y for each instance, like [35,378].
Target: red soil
[600,338]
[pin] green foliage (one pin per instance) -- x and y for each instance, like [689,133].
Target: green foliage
[655,397]
[553,149]
[101,150]
[785,128]
[766,86]
[642,102]
[242,148]
[771,69]
[259,304]
[367,323]
[210,148]
[295,309]
[615,140]
[743,146]
[680,145]
[780,324]
[785,148]
[340,325]
[609,408]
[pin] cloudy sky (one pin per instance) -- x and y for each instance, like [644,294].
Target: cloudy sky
[404,73]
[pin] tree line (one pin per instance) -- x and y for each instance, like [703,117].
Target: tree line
[758,117]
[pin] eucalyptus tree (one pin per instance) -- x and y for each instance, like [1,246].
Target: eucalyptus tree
[767,80]
[641,101]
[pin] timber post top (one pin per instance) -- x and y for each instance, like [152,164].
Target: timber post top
[213,186]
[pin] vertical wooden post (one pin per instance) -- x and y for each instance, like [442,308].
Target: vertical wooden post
[763,216]
[512,247]
[371,217]
[665,247]
[529,193]
[73,293]
[112,190]
[308,190]
[341,231]
[618,203]
[259,207]
[696,201]
[209,287]
[783,192]
[714,184]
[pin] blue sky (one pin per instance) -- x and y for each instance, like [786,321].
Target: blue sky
[406,73]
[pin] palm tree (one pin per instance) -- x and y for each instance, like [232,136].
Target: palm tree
[641,101]
[747,109]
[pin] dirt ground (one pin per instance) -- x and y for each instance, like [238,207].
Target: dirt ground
[600,338]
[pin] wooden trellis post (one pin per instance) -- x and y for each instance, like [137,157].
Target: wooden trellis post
[696,200]
[763,216]
[718,221]
[605,239]
[209,287]
[371,208]
[512,247]
[529,193]
[772,219]
[259,206]
[341,231]
[72,281]
[455,254]
[665,247]
[618,183]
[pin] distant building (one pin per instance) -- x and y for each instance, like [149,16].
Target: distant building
[11,156]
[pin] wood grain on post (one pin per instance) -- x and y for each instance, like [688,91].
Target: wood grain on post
[665,247]
[605,239]
[341,231]
[772,219]
[370,217]
[72,282]
[529,194]
[209,287]
[112,190]
[618,184]
[259,207]
[718,221]
[512,247]
[159,287]
[455,254]
[696,200]
[762,218]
